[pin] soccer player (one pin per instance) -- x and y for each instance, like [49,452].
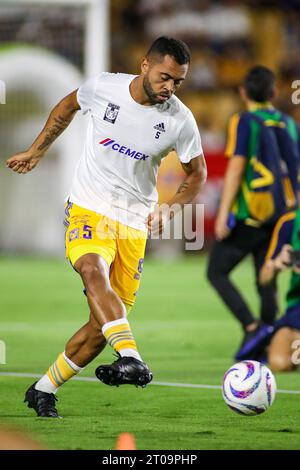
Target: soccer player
[238,230]
[283,254]
[135,121]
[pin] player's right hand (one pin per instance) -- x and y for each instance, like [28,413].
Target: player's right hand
[156,223]
[22,162]
[283,260]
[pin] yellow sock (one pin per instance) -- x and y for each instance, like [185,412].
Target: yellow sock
[119,336]
[62,370]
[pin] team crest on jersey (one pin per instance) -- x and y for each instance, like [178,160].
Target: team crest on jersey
[111,113]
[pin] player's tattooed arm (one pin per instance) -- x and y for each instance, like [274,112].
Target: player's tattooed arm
[196,176]
[52,132]
[190,187]
[183,187]
[58,120]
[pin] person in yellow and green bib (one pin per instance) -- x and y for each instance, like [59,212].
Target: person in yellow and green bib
[260,185]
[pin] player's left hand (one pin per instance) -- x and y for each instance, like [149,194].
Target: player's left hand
[221,228]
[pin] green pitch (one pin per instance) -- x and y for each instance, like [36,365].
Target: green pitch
[183,332]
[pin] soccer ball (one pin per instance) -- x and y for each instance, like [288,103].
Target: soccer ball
[249,388]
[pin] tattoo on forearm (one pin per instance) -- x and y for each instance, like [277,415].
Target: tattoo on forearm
[54,131]
[182,188]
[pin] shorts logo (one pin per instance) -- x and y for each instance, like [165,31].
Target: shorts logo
[128,152]
[74,234]
[111,113]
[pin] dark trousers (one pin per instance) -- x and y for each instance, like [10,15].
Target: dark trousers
[227,254]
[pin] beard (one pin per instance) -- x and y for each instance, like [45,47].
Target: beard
[153,97]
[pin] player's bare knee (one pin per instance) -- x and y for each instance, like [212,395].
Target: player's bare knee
[88,270]
[280,363]
[91,274]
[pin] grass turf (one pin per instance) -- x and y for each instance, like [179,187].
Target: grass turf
[183,332]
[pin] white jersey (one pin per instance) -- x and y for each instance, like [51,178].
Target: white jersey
[125,143]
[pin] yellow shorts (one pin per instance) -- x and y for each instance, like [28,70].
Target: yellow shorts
[122,247]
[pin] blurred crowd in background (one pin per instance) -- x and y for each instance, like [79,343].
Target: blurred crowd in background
[226,38]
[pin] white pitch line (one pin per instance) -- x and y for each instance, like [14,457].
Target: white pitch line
[162,384]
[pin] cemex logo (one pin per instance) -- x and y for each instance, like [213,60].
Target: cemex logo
[128,152]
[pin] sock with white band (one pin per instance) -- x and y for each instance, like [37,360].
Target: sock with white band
[119,336]
[59,373]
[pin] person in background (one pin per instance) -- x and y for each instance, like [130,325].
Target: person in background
[260,184]
[283,254]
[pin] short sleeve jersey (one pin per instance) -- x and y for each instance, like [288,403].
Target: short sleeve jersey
[125,143]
